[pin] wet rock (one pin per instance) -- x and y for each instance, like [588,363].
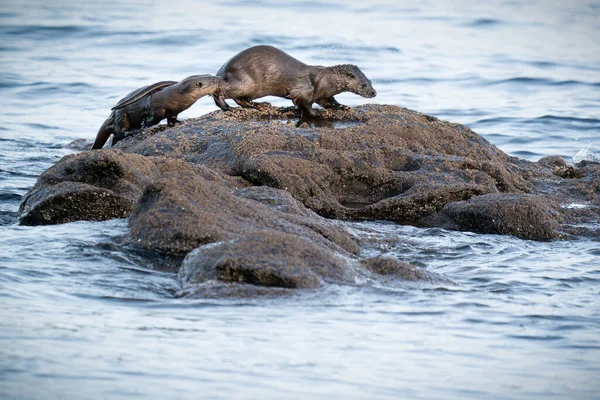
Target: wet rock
[567,172]
[378,163]
[520,215]
[553,162]
[373,162]
[265,258]
[182,210]
[74,201]
[392,267]
[92,186]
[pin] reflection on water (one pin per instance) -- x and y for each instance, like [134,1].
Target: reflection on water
[83,317]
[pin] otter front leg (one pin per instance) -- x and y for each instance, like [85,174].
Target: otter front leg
[220,102]
[331,102]
[172,121]
[122,125]
[247,103]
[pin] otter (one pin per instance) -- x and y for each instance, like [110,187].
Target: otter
[151,104]
[267,71]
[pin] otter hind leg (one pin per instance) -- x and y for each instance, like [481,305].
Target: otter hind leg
[331,102]
[306,111]
[220,102]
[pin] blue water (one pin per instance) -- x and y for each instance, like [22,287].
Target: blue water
[84,318]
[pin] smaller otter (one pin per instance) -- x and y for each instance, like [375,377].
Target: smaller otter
[267,71]
[151,104]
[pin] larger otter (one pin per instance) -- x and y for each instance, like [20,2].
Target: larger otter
[267,71]
[151,104]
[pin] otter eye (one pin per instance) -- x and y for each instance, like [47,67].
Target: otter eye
[199,84]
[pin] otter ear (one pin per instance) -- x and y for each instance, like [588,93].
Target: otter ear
[199,84]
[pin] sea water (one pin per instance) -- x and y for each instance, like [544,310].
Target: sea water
[82,318]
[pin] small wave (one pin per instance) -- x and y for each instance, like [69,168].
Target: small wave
[45,32]
[529,155]
[345,47]
[35,125]
[9,80]
[8,196]
[494,121]
[425,80]
[46,89]
[171,39]
[539,82]
[536,337]
[567,119]
[8,218]
[18,173]
[296,5]
[570,123]
[483,23]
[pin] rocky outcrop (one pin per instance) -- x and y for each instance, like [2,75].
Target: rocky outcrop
[382,162]
[247,197]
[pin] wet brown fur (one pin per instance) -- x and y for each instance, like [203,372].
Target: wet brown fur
[267,71]
[151,108]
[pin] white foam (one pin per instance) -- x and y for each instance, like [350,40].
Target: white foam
[575,206]
[585,155]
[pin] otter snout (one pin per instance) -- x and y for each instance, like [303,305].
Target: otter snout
[367,92]
[370,93]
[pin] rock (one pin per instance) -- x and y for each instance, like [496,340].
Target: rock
[74,201]
[378,163]
[242,197]
[373,162]
[392,267]
[553,162]
[265,258]
[524,216]
[92,186]
[181,211]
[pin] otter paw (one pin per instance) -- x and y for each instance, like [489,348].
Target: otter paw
[261,105]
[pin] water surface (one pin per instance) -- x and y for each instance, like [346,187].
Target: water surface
[84,318]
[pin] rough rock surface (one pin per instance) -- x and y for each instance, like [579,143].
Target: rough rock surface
[240,186]
[522,215]
[182,210]
[91,186]
[266,258]
[386,163]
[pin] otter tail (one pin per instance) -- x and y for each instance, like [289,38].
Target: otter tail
[104,132]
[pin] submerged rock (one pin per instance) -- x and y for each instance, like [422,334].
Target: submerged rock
[392,267]
[266,258]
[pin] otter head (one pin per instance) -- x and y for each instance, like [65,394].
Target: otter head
[355,80]
[201,85]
